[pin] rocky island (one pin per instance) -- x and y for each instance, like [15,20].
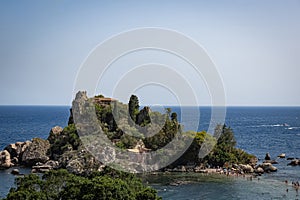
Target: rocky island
[63,153]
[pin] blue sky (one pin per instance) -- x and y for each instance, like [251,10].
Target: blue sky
[254,44]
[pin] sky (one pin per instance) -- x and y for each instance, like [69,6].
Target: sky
[255,46]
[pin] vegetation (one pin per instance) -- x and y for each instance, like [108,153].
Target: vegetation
[59,184]
[225,152]
[133,107]
[66,141]
[114,121]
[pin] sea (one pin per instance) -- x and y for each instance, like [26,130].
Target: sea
[258,130]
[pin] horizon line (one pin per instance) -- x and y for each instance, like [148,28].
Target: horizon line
[171,105]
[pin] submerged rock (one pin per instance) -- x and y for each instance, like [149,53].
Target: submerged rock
[271,161]
[294,162]
[15,172]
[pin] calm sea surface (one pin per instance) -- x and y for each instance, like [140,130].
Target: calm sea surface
[257,130]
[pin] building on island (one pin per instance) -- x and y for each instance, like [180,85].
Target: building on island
[103,100]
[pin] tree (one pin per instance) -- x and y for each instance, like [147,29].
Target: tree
[168,112]
[59,184]
[225,150]
[99,96]
[174,116]
[133,107]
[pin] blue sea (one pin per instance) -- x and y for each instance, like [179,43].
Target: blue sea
[258,130]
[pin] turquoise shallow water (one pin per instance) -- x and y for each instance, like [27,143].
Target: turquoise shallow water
[257,130]
[201,186]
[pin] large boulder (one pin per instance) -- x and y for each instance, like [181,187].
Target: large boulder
[246,168]
[5,161]
[36,152]
[268,167]
[16,150]
[259,170]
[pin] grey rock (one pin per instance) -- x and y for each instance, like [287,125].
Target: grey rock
[54,133]
[259,170]
[16,150]
[5,160]
[246,168]
[15,172]
[282,155]
[268,167]
[267,157]
[36,152]
[294,162]
[79,162]
[271,161]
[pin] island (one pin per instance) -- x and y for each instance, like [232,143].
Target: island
[70,171]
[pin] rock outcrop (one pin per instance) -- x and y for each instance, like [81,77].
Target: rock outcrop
[246,168]
[267,157]
[268,167]
[79,162]
[54,133]
[259,170]
[44,167]
[5,159]
[143,115]
[36,152]
[16,150]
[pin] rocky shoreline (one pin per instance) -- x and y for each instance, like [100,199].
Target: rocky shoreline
[37,154]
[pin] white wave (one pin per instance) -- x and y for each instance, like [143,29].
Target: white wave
[273,125]
[291,128]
